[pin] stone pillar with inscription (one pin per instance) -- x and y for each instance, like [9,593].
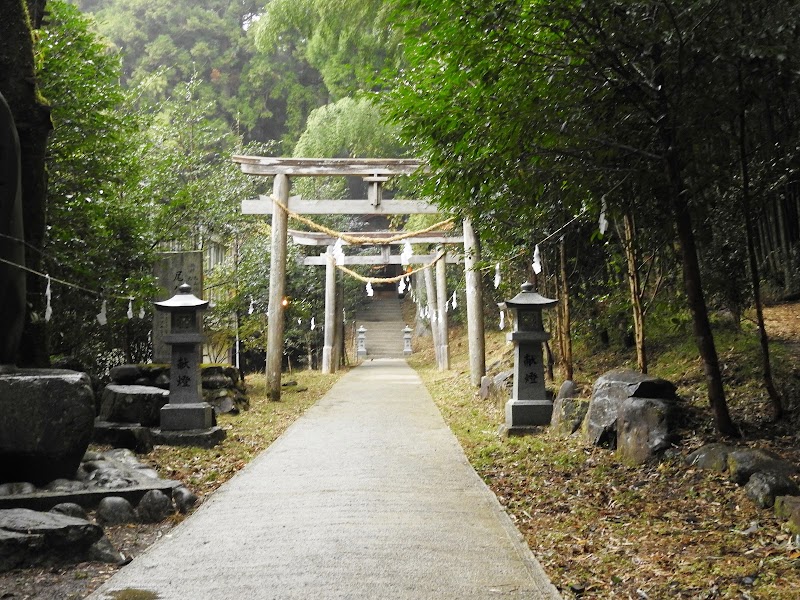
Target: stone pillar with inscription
[529,405]
[186,410]
[173,269]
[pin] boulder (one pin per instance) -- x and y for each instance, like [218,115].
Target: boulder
[132,404]
[609,391]
[645,428]
[103,551]
[746,461]
[29,537]
[114,510]
[46,422]
[711,456]
[70,509]
[184,499]
[125,374]
[763,488]
[786,506]
[154,507]
[568,411]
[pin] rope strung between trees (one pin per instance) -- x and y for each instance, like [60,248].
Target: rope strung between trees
[354,239]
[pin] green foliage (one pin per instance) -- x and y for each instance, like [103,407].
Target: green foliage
[96,236]
[348,42]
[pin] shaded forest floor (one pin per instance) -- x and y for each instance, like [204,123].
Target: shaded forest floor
[664,530]
[600,529]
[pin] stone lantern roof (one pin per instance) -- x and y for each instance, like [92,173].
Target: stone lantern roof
[527,298]
[183,299]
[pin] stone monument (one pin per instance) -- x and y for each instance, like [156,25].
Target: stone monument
[529,405]
[12,249]
[186,410]
[173,269]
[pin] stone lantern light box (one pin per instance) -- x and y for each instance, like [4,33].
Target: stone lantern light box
[529,405]
[186,409]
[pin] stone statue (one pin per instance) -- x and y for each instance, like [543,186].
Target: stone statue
[12,250]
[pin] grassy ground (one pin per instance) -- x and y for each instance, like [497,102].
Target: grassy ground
[664,530]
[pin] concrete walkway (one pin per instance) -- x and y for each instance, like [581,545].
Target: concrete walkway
[368,495]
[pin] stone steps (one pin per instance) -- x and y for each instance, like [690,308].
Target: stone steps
[383,320]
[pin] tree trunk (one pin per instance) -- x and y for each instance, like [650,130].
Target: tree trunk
[32,117]
[692,282]
[766,366]
[566,331]
[635,285]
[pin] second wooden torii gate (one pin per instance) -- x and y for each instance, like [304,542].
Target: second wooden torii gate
[440,333]
[375,172]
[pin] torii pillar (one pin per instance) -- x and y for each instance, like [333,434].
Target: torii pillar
[277,286]
[331,322]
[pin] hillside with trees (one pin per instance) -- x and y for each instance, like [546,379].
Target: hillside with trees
[644,154]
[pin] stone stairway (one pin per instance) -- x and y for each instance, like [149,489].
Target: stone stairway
[382,317]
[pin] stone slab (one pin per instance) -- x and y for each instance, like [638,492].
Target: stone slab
[46,421]
[123,435]
[202,438]
[527,413]
[186,416]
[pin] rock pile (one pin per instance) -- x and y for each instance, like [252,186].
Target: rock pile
[768,480]
[49,524]
[223,387]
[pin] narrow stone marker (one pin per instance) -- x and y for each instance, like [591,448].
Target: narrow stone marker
[368,495]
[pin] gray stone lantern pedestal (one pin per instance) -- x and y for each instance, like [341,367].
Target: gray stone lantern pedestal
[529,406]
[186,419]
[407,349]
[361,342]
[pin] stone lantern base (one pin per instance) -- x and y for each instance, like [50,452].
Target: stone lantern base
[524,416]
[189,415]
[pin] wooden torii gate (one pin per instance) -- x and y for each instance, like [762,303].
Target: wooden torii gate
[375,172]
[439,328]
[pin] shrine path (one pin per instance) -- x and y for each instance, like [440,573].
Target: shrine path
[367,495]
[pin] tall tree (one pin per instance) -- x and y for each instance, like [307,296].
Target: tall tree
[18,19]
[506,97]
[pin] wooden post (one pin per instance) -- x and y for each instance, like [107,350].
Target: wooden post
[328,364]
[277,286]
[339,340]
[475,325]
[430,293]
[441,300]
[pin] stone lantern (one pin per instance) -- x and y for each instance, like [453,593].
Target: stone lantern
[186,409]
[407,340]
[529,405]
[361,341]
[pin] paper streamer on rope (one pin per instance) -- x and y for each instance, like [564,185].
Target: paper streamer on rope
[502,319]
[405,255]
[454,301]
[252,306]
[537,260]
[102,316]
[141,312]
[603,221]
[497,278]
[370,291]
[338,253]
[401,286]
[48,294]
[129,314]
[313,323]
